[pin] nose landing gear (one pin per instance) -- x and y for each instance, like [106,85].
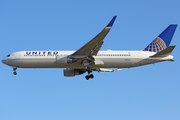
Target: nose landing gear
[14,69]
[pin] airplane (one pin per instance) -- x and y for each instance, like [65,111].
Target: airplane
[89,57]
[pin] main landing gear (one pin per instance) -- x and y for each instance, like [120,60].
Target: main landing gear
[14,69]
[89,75]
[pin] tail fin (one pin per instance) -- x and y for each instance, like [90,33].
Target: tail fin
[163,40]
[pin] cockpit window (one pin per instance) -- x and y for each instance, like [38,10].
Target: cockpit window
[8,55]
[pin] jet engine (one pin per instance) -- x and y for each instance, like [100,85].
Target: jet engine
[65,60]
[70,72]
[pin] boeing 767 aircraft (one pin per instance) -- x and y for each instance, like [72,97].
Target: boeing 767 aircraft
[88,58]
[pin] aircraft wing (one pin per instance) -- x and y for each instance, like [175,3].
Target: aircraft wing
[93,46]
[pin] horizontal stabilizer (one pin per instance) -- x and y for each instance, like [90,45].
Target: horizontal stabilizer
[167,51]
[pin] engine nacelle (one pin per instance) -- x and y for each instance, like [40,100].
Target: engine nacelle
[70,72]
[65,60]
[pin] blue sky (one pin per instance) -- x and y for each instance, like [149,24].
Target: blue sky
[147,92]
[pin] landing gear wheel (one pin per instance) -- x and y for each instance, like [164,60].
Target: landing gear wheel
[87,77]
[14,69]
[91,76]
[15,73]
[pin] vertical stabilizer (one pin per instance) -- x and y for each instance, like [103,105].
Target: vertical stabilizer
[163,40]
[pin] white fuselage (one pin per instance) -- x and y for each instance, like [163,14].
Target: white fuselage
[104,59]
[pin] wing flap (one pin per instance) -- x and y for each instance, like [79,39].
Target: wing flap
[97,47]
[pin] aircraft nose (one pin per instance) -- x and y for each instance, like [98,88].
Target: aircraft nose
[4,60]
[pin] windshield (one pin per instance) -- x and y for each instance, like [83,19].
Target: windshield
[8,55]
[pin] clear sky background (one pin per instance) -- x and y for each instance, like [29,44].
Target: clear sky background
[150,92]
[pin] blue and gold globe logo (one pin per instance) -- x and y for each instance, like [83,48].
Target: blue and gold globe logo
[157,45]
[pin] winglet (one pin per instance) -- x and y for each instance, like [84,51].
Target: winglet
[111,22]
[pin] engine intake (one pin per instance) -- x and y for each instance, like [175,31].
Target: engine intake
[70,72]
